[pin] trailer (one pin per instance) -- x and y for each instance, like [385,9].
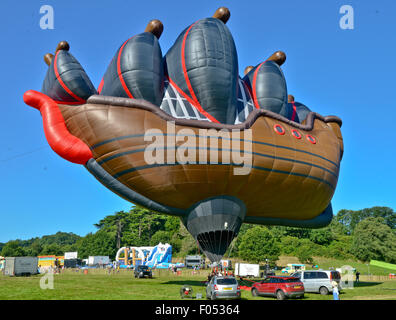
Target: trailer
[247,270]
[20,266]
[98,261]
[73,263]
[194,262]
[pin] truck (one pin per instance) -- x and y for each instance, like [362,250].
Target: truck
[71,255]
[20,266]
[293,267]
[98,260]
[247,270]
[194,261]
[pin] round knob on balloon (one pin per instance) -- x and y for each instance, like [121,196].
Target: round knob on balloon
[279,57]
[155,27]
[48,58]
[248,69]
[222,14]
[63,45]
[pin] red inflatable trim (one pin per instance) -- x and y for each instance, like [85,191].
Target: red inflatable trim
[194,98]
[64,86]
[256,104]
[119,71]
[294,111]
[58,136]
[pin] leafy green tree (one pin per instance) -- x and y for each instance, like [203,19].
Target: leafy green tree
[101,243]
[188,243]
[304,254]
[337,228]
[13,249]
[35,248]
[172,224]
[340,248]
[160,236]
[59,238]
[258,244]
[374,239]
[350,218]
[321,236]
[288,245]
[52,249]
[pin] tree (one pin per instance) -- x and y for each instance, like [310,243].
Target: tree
[188,243]
[340,248]
[374,239]
[52,249]
[258,244]
[304,255]
[101,243]
[160,236]
[321,236]
[288,245]
[13,249]
[350,218]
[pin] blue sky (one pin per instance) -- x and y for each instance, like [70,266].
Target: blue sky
[348,73]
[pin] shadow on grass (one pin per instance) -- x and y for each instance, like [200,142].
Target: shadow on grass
[365,284]
[187,282]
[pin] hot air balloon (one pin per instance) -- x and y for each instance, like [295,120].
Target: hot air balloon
[184,134]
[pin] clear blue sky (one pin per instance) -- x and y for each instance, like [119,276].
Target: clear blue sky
[348,73]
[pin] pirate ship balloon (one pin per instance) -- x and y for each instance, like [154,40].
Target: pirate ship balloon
[183,134]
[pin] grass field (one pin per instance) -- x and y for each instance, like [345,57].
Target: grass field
[164,286]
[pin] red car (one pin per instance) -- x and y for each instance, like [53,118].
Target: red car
[279,287]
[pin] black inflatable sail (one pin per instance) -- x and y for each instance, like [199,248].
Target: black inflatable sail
[136,70]
[267,85]
[203,64]
[66,81]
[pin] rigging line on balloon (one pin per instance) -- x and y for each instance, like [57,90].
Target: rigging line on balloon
[23,154]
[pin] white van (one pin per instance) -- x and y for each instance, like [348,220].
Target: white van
[319,281]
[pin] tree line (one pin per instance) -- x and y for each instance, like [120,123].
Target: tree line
[361,235]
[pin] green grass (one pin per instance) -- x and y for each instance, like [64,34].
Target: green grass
[382,264]
[164,286]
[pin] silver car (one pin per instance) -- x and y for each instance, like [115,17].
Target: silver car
[319,281]
[223,287]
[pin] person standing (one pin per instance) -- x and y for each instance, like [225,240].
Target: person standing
[336,293]
[357,276]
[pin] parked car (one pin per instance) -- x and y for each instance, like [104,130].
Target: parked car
[279,286]
[143,271]
[223,287]
[318,281]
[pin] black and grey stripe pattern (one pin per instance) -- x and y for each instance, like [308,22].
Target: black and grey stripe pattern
[178,106]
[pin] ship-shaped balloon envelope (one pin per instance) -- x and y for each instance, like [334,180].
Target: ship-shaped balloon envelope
[184,134]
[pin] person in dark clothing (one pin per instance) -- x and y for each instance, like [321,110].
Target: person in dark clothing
[357,276]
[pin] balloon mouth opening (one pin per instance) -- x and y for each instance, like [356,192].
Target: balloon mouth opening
[215,243]
[214,223]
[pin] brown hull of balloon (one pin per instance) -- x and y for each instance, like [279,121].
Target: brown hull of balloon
[289,178]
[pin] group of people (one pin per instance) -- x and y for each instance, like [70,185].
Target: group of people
[218,273]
